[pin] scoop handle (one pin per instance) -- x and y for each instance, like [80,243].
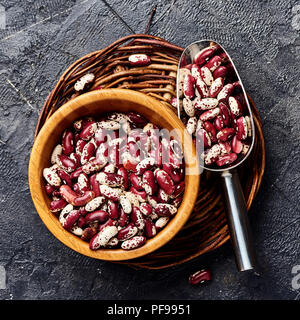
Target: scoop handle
[238,222]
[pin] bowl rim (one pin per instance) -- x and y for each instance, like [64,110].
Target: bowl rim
[74,242]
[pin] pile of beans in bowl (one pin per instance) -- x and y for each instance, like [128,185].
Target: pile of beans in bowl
[110,183]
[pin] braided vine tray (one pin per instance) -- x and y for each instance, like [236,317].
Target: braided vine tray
[206,228]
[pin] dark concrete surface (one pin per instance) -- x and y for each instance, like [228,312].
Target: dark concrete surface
[39,39]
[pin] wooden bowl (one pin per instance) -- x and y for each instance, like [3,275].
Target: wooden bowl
[96,103]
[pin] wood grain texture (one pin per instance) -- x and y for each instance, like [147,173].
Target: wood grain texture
[96,103]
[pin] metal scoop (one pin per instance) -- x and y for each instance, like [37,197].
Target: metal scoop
[233,193]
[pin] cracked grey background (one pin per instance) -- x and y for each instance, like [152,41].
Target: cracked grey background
[39,39]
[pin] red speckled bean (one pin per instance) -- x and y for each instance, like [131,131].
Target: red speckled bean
[123,172]
[237,85]
[79,146]
[76,138]
[211,130]
[110,179]
[202,88]
[176,174]
[188,107]
[179,188]
[149,182]
[95,185]
[188,86]
[200,277]
[137,218]
[144,165]
[236,145]
[87,121]
[206,76]
[226,159]
[125,204]
[225,147]
[150,230]
[57,205]
[224,57]
[87,133]
[219,123]
[82,211]
[66,163]
[71,219]
[224,134]
[56,194]
[165,210]
[241,128]
[129,163]
[162,196]
[161,222]
[68,194]
[225,92]
[139,60]
[95,204]
[205,103]
[101,136]
[204,54]
[123,219]
[109,168]
[136,181]
[225,113]
[165,181]
[246,148]
[87,152]
[126,233]
[137,119]
[141,195]
[68,142]
[64,177]
[146,209]
[195,71]
[88,233]
[221,71]
[213,63]
[99,215]
[93,166]
[49,189]
[133,149]
[108,223]
[177,201]
[83,182]
[102,238]
[156,154]
[211,155]
[202,136]
[76,188]
[76,158]
[84,199]
[81,222]
[210,114]
[110,193]
[235,107]
[113,209]
[133,243]
[77,125]
[216,87]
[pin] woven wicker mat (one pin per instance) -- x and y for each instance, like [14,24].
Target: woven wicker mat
[206,229]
